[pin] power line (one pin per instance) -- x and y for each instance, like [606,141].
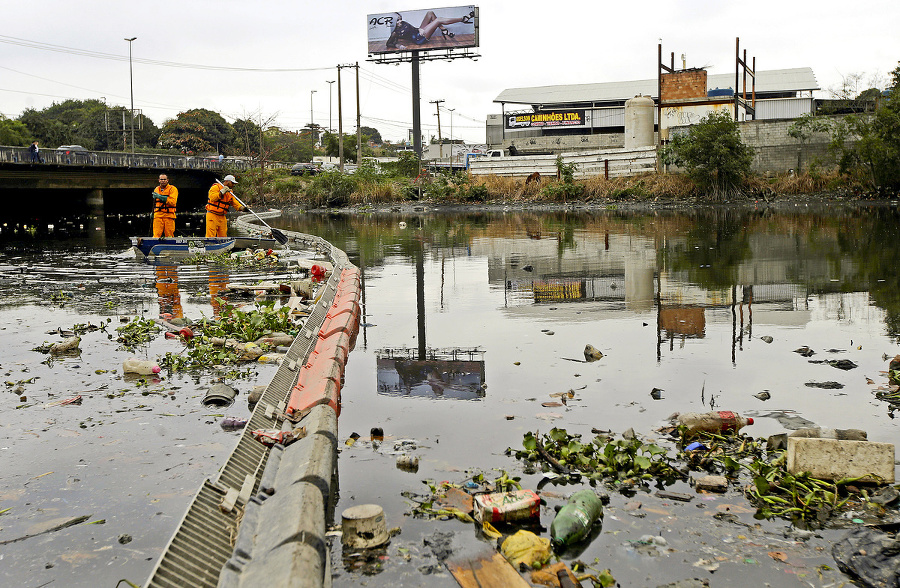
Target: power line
[114,57]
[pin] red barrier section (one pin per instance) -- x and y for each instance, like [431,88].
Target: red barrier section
[319,381]
[324,392]
[337,348]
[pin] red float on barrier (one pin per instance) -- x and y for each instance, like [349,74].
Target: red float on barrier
[317,383]
[319,380]
[321,391]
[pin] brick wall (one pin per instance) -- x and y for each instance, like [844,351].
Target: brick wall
[684,85]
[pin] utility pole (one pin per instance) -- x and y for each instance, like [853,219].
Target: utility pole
[358,121]
[340,124]
[312,139]
[262,150]
[451,137]
[330,128]
[437,106]
[131,83]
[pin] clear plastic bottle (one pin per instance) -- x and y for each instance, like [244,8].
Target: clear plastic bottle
[574,520]
[718,421]
[142,367]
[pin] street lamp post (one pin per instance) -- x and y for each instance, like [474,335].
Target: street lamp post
[131,84]
[312,136]
[329,103]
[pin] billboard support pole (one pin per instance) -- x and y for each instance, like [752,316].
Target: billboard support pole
[417,116]
[340,124]
[358,121]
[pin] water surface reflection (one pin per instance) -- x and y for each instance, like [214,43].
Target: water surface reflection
[705,305]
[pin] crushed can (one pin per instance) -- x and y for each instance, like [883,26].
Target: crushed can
[507,507]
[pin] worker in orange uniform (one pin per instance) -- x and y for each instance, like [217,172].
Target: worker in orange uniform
[219,199]
[165,197]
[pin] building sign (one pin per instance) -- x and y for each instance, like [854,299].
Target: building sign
[545,119]
[423,30]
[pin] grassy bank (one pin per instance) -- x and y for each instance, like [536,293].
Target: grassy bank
[371,187]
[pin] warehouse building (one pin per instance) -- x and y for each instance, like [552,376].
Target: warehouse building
[587,116]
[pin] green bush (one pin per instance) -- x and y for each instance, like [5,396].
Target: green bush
[407,166]
[712,153]
[331,189]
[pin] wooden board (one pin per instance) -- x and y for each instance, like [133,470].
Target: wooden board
[486,570]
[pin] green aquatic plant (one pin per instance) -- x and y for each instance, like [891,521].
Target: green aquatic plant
[602,459]
[249,325]
[137,332]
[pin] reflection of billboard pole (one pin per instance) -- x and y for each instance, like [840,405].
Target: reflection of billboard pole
[420,296]
[417,117]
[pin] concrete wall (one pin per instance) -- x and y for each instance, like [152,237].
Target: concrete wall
[588,163]
[774,150]
[778,152]
[563,144]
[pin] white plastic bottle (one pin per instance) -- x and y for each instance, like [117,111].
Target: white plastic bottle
[142,367]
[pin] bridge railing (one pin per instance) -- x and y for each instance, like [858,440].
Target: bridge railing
[21,155]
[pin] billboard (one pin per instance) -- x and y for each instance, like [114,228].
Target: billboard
[546,119]
[423,30]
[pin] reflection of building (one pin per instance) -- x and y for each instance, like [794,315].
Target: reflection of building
[689,321]
[456,373]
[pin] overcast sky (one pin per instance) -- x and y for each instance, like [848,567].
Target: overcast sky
[524,43]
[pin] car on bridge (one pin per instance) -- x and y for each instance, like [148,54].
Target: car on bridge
[72,149]
[75,153]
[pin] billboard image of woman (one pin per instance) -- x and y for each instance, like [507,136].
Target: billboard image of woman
[417,30]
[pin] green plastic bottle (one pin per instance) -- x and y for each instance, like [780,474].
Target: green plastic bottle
[573,521]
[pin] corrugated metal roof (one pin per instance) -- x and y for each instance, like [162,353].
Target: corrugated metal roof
[777,80]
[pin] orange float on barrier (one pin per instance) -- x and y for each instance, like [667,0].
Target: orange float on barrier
[337,348]
[346,294]
[350,275]
[313,387]
[320,391]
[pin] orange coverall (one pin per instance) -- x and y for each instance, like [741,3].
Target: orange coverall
[216,208]
[164,212]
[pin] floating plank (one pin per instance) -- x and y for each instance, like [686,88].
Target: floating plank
[486,570]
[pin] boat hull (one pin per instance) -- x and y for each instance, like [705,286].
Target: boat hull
[190,246]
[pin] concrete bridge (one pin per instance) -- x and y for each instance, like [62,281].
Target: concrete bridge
[104,181]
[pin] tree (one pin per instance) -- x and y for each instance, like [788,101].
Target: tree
[195,131]
[245,140]
[289,146]
[712,153]
[373,134]
[13,133]
[330,140]
[91,123]
[866,144]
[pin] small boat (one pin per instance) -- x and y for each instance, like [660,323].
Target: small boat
[190,246]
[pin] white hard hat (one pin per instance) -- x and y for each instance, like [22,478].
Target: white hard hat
[231,179]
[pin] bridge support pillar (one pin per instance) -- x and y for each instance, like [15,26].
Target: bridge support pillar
[97,217]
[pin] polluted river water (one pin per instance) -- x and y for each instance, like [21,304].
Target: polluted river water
[473,323]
